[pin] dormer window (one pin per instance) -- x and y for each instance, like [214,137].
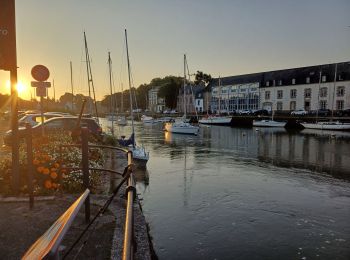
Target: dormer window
[324,78]
[280,82]
[308,80]
[267,83]
[293,81]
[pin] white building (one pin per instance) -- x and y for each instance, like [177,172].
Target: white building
[155,104]
[310,88]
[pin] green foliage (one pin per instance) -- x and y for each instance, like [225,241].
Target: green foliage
[202,77]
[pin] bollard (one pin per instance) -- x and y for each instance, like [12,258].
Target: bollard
[30,164]
[85,166]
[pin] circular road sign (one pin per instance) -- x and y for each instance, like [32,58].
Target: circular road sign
[40,73]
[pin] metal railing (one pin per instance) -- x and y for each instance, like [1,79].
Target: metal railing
[128,245]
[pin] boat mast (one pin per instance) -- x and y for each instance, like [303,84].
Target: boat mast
[110,86]
[335,80]
[71,82]
[184,86]
[89,75]
[219,95]
[122,101]
[131,113]
[318,96]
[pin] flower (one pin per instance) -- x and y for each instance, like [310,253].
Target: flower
[53,175]
[48,184]
[46,171]
[56,165]
[40,169]
[36,162]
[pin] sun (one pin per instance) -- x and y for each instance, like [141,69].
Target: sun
[22,89]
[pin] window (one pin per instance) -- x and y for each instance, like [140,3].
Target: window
[293,81]
[279,106]
[267,95]
[340,104]
[267,83]
[280,82]
[340,91]
[307,80]
[279,94]
[323,92]
[323,104]
[198,102]
[293,105]
[307,93]
[293,93]
[324,78]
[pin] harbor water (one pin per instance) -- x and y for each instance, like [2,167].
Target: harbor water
[236,193]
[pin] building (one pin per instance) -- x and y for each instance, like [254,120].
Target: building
[315,87]
[155,104]
[193,99]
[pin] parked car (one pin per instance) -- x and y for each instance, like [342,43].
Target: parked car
[261,112]
[345,112]
[299,112]
[245,112]
[58,124]
[34,119]
[322,112]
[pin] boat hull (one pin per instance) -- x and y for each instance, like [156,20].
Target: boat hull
[224,121]
[181,128]
[327,126]
[268,123]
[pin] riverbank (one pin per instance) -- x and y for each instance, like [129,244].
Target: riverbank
[21,227]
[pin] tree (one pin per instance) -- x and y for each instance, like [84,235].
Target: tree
[169,92]
[202,77]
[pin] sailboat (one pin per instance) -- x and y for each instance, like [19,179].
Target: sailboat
[181,126]
[139,154]
[327,125]
[111,116]
[121,120]
[216,119]
[269,122]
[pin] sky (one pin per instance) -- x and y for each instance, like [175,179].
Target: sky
[222,38]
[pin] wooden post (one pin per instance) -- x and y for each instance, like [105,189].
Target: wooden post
[85,166]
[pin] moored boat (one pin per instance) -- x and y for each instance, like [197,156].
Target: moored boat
[269,123]
[328,125]
[216,120]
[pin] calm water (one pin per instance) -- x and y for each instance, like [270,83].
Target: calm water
[233,193]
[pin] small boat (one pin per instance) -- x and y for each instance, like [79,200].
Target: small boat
[148,119]
[121,120]
[269,123]
[328,125]
[182,125]
[216,120]
[139,154]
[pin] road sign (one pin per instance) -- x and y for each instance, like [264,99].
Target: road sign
[40,73]
[7,35]
[39,84]
[41,92]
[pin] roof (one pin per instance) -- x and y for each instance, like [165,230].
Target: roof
[285,76]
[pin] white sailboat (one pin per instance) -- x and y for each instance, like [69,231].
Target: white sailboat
[181,126]
[139,153]
[269,122]
[328,125]
[216,119]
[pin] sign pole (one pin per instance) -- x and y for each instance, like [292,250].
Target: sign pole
[14,127]
[42,114]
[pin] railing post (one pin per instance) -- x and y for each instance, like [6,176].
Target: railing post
[85,166]
[29,143]
[128,248]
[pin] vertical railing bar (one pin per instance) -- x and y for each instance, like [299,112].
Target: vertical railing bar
[29,143]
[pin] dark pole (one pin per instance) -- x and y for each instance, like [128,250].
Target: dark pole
[85,163]
[30,164]
[14,127]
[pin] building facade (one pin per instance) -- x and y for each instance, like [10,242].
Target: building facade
[155,104]
[315,87]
